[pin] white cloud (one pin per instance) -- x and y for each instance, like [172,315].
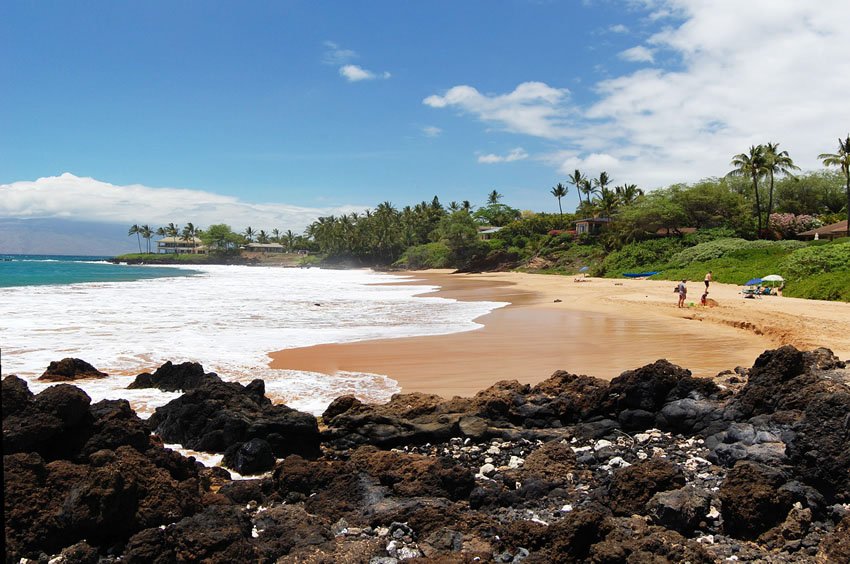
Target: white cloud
[355,73]
[533,108]
[638,54]
[746,73]
[618,28]
[517,154]
[431,131]
[86,199]
[336,55]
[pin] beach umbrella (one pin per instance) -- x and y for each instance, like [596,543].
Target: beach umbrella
[752,282]
[773,278]
[584,269]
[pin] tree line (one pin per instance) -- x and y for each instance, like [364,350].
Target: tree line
[743,201]
[219,237]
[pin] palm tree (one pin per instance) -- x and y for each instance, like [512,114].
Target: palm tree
[189,235]
[172,231]
[467,206]
[160,232]
[586,188]
[607,202]
[752,165]
[454,206]
[249,234]
[559,192]
[134,230]
[628,193]
[146,233]
[290,239]
[777,162]
[263,237]
[493,198]
[601,184]
[276,235]
[578,180]
[841,159]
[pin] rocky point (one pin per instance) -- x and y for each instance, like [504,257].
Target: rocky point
[655,465]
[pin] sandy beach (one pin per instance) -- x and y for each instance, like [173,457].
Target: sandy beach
[599,327]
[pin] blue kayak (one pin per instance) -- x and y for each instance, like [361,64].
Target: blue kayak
[640,274]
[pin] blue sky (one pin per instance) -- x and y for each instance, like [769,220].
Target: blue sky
[287,109]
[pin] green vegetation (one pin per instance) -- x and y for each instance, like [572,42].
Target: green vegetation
[741,225]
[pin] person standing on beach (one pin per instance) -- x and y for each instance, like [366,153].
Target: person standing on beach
[707,280]
[683,292]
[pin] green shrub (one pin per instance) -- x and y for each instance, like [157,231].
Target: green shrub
[833,286]
[645,255]
[430,255]
[816,259]
[725,247]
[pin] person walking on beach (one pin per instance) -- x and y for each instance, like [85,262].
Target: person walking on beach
[707,280]
[683,292]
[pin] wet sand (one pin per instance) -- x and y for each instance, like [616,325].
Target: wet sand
[601,327]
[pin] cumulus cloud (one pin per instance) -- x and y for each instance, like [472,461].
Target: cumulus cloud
[86,199]
[431,131]
[618,28]
[517,154]
[533,108]
[745,73]
[355,73]
[638,54]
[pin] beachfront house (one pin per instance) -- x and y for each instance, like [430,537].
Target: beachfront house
[191,245]
[265,248]
[830,232]
[591,225]
[486,233]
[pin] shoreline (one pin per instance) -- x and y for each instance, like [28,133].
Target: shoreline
[534,336]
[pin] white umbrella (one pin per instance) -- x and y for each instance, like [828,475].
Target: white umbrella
[773,278]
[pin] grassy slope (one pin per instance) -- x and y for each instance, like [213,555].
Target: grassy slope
[741,266]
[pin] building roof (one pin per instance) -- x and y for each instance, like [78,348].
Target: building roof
[594,220]
[831,229]
[180,240]
[264,246]
[489,230]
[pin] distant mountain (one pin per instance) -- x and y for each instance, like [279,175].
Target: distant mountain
[64,237]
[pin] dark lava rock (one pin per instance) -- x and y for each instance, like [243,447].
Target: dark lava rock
[413,475]
[836,546]
[285,528]
[553,463]
[174,377]
[253,457]
[633,486]
[70,369]
[405,419]
[567,540]
[16,396]
[752,499]
[75,471]
[632,540]
[646,391]
[52,505]
[681,510]
[218,415]
[218,534]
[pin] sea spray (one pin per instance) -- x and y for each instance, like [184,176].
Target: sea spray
[228,318]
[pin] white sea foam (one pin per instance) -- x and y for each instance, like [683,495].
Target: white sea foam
[228,318]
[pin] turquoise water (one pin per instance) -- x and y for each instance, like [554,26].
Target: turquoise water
[40,270]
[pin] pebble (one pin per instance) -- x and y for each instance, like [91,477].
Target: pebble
[602,443]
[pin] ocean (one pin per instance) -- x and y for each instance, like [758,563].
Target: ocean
[127,320]
[41,270]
